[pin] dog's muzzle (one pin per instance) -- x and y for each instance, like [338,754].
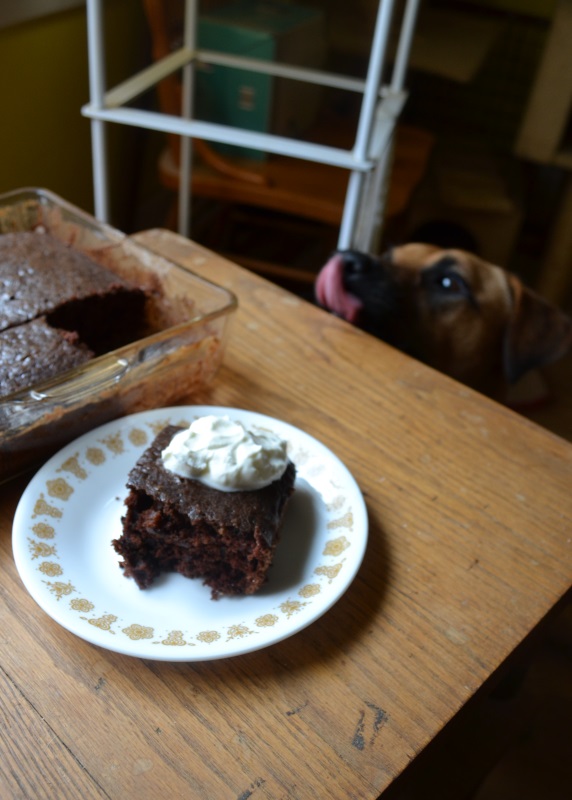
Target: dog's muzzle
[331,291]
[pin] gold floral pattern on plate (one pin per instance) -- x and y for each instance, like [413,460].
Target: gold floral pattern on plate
[81,604]
[60,589]
[335,547]
[72,465]
[175,639]
[266,620]
[41,549]
[72,509]
[136,632]
[43,508]
[43,531]
[104,622]
[95,456]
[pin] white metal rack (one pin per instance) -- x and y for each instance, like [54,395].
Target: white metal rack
[368,161]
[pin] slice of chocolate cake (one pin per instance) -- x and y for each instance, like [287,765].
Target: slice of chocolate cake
[36,352]
[177,524]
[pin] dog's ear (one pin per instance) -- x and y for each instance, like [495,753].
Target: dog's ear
[538,332]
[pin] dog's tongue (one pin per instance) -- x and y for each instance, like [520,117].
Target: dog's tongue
[331,292]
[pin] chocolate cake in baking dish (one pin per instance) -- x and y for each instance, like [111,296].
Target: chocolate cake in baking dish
[79,306]
[176,524]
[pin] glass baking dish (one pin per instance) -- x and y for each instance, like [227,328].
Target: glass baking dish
[189,319]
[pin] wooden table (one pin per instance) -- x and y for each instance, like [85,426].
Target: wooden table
[470,546]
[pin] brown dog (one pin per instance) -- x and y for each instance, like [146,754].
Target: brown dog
[448,308]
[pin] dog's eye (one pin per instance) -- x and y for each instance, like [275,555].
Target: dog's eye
[445,285]
[452,284]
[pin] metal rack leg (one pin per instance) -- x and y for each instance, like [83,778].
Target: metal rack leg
[366,192]
[99,156]
[190,39]
[367,112]
[96,91]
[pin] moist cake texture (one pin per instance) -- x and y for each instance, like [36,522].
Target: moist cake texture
[35,352]
[54,297]
[175,524]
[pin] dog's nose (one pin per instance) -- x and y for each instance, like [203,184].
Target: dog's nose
[356,263]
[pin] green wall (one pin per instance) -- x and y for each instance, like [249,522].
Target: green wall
[44,139]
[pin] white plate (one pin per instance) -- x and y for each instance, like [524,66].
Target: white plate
[72,509]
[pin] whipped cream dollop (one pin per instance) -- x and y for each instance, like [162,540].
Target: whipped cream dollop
[223,454]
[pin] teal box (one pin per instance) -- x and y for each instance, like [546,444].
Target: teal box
[268,30]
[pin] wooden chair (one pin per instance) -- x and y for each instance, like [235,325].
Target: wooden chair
[307,190]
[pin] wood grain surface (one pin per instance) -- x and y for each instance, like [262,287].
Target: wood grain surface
[469,548]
